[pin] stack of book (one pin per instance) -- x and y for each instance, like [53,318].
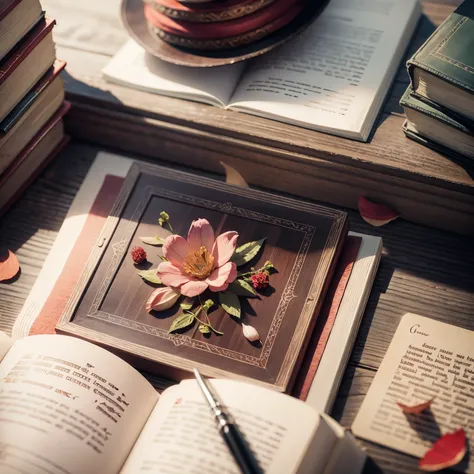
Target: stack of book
[439,103]
[31,96]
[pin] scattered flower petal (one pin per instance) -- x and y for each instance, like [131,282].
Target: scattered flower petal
[448,451]
[9,267]
[138,255]
[415,409]
[162,299]
[375,214]
[250,333]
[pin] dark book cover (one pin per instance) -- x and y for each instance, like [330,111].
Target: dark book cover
[22,158]
[25,47]
[442,110]
[12,118]
[409,100]
[447,53]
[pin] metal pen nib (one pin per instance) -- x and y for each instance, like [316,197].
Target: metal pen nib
[229,431]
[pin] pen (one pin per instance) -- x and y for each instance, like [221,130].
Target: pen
[229,431]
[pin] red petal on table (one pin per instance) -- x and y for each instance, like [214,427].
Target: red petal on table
[375,214]
[9,267]
[448,451]
[415,409]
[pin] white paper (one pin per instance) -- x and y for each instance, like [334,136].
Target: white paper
[333,77]
[180,436]
[68,407]
[426,359]
[132,66]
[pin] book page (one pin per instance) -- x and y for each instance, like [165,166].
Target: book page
[68,407]
[426,359]
[334,76]
[133,67]
[5,344]
[181,434]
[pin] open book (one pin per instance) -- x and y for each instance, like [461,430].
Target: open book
[69,407]
[427,360]
[333,78]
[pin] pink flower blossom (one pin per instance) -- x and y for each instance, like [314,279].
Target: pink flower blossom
[200,262]
[161,299]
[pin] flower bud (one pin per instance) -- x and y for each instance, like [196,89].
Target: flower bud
[250,333]
[162,298]
[208,304]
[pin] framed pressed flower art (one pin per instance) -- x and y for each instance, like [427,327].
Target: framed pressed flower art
[192,272]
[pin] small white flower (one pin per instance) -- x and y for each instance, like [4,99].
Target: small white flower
[250,333]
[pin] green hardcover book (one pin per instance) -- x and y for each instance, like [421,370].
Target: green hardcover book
[442,70]
[436,129]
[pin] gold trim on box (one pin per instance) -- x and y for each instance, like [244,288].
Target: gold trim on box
[120,251]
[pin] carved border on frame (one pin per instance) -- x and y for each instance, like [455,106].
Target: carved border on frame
[120,249]
[333,242]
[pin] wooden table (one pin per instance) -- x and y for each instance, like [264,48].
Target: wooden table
[423,270]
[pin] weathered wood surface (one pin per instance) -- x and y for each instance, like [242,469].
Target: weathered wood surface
[422,270]
[267,153]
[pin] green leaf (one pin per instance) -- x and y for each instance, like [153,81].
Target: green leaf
[204,329]
[242,288]
[187,303]
[247,252]
[182,321]
[150,276]
[153,240]
[230,303]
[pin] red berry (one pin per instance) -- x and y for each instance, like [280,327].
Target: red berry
[260,280]
[138,255]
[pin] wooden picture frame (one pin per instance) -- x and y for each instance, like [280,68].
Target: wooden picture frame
[304,241]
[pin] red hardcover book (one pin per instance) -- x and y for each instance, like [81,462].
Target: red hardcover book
[19,175]
[12,118]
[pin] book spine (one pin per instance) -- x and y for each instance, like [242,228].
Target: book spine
[459,121]
[25,48]
[462,160]
[10,5]
[62,144]
[433,114]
